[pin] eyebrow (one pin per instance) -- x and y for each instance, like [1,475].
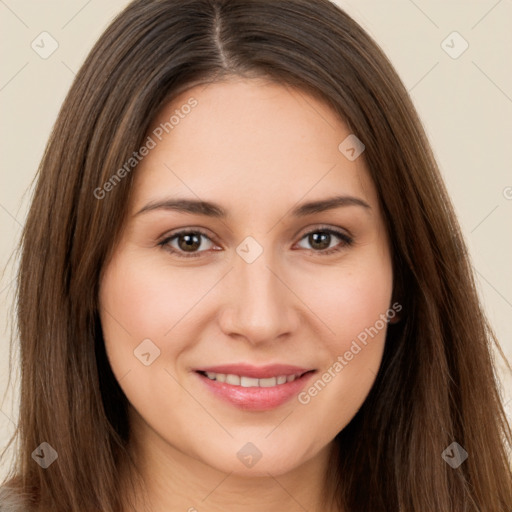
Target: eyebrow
[210,209]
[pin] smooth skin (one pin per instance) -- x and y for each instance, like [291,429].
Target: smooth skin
[257,149]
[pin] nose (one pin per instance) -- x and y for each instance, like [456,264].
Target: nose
[259,305]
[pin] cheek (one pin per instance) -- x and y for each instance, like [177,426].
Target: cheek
[138,302]
[350,298]
[141,300]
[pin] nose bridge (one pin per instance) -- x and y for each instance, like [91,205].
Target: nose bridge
[259,304]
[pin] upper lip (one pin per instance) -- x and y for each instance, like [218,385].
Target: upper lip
[257,372]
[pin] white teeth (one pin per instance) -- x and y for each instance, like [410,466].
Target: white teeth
[268,383]
[233,379]
[247,382]
[251,382]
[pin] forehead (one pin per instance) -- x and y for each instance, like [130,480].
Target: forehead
[249,141]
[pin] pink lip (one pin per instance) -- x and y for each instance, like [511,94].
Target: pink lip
[256,398]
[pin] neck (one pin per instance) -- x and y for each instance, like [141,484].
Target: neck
[175,481]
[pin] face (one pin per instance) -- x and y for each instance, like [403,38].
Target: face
[247,331]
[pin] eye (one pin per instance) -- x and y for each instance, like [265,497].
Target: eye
[190,243]
[187,243]
[322,240]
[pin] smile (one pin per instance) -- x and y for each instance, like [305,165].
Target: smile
[250,382]
[252,388]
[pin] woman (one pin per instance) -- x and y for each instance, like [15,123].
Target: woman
[242,283]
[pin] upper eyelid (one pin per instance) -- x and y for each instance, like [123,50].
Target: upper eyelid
[182,231]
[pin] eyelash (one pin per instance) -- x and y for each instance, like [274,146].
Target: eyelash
[346,241]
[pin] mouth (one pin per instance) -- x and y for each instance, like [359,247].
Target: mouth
[252,388]
[251,382]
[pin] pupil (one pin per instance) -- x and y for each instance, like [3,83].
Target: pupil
[320,240]
[191,241]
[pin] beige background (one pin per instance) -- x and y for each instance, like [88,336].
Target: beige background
[465,104]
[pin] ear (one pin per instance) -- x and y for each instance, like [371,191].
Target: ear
[394,319]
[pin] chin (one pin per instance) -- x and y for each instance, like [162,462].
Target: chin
[260,458]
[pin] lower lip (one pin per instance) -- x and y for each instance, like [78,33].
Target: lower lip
[256,398]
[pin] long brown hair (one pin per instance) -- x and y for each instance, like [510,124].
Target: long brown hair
[436,383]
